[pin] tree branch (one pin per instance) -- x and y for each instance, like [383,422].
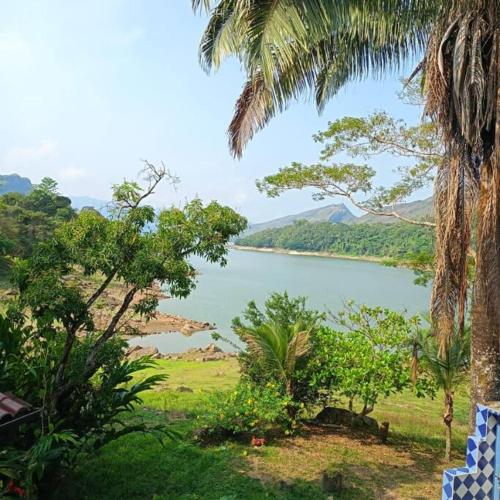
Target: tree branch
[91,364]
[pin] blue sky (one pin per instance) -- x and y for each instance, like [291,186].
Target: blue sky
[91,88]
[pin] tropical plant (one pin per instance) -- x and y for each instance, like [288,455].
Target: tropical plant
[366,359]
[56,350]
[249,408]
[447,371]
[276,339]
[289,47]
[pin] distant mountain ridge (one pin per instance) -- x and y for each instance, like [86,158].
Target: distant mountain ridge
[340,214]
[415,210]
[14,183]
[335,213]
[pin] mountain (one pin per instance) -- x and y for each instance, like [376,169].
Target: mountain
[335,213]
[14,183]
[79,202]
[421,209]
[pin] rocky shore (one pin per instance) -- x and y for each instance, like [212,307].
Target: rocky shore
[209,353]
[133,325]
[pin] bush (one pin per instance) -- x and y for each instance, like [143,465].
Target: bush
[45,448]
[277,339]
[368,359]
[249,409]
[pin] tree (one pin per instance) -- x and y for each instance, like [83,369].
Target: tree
[378,134]
[277,338]
[364,360]
[447,371]
[26,220]
[76,372]
[289,47]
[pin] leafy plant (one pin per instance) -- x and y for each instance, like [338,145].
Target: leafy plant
[448,371]
[249,409]
[54,355]
[366,360]
[276,339]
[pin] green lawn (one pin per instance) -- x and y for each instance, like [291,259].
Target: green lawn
[139,467]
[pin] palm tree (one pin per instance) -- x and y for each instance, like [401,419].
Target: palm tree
[290,47]
[448,372]
[277,347]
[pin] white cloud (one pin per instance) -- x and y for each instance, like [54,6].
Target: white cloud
[71,173]
[45,150]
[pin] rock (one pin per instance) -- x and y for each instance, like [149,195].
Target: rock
[331,482]
[335,416]
[212,348]
[183,388]
[144,351]
[346,418]
[367,423]
[132,349]
[216,356]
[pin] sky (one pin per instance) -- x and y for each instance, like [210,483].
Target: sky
[90,89]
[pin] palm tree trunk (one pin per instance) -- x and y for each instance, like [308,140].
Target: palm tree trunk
[485,348]
[448,419]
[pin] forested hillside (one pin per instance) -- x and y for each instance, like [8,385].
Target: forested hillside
[26,219]
[378,240]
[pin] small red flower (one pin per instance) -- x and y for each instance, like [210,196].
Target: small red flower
[17,490]
[258,441]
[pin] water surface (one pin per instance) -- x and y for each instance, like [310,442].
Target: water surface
[223,293]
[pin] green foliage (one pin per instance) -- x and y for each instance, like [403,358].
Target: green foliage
[449,369]
[26,220]
[418,146]
[366,360]
[29,354]
[58,360]
[399,241]
[250,408]
[291,48]
[276,339]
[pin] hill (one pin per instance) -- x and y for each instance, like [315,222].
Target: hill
[335,213]
[14,183]
[417,210]
[384,241]
[79,202]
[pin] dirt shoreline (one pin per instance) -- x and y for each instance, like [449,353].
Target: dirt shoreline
[134,326]
[366,258]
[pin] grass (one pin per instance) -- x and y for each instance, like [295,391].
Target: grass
[139,467]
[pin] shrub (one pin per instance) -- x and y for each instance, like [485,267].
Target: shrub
[248,409]
[276,340]
[368,359]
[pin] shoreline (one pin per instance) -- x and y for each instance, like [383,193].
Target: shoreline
[303,253]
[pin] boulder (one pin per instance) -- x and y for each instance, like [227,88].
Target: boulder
[335,416]
[216,356]
[212,348]
[132,349]
[366,423]
[144,351]
[346,418]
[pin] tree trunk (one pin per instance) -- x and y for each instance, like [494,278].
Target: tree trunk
[485,342]
[448,419]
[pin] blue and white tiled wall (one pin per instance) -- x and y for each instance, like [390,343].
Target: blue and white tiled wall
[476,480]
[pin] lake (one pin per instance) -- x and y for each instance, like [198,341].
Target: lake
[222,293]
